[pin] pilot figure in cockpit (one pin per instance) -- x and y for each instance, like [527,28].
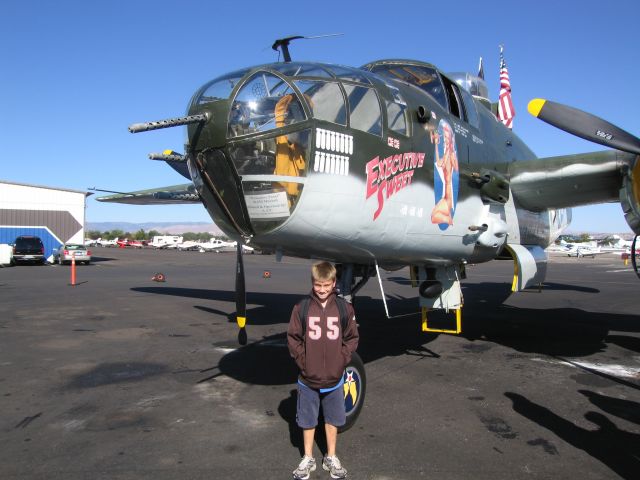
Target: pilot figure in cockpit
[289,156]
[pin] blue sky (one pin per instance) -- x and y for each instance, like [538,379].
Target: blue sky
[75,74]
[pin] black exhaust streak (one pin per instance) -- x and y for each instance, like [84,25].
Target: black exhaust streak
[545,444]
[498,427]
[113,373]
[27,420]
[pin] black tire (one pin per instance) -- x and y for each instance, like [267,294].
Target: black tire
[354,375]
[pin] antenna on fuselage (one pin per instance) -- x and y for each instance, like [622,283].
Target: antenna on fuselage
[283,43]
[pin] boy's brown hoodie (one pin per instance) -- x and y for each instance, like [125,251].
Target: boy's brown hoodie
[325,350]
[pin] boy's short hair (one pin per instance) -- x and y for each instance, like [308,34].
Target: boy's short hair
[323,271]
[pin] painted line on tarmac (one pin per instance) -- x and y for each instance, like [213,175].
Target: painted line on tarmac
[225,349]
[281,343]
[615,370]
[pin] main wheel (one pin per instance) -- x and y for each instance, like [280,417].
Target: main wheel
[355,388]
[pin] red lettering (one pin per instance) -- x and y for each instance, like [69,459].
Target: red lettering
[394,164]
[399,183]
[409,177]
[390,175]
[413,158]
[381,188]
[391,187]
[372,176]
[401,162]
[388,166]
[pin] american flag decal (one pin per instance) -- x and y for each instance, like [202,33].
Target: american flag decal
[506,111]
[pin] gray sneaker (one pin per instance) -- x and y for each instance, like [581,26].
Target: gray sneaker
[334,467]
[307,465]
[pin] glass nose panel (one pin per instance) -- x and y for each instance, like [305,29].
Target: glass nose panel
[325,99]
[264,102]
[273,172]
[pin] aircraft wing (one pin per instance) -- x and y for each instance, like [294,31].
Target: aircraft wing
[185,193]
[576,180]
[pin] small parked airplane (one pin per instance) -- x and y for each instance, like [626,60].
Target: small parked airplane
[217,245]
[577,250]
[109,243]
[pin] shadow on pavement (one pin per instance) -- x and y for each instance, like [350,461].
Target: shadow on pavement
[617,449]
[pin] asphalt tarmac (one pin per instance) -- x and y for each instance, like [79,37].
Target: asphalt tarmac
[121,377]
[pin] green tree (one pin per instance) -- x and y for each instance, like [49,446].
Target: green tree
[114,234]
[584,237]
[94,234]
[140,235]
[607,241]
[190,236]
[152,233]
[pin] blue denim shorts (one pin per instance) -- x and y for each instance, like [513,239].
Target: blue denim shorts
[309,401]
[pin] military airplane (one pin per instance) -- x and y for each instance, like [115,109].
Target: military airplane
[392,164]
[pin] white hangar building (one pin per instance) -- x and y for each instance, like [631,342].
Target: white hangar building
[56,215]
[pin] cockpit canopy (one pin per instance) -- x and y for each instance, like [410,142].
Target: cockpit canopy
[279,95]
[476,86]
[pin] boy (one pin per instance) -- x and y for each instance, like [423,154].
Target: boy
[322,348]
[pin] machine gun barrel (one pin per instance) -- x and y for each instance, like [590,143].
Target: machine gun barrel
[169,156]
[171,122]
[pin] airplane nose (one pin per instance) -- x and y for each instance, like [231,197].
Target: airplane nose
[250,161]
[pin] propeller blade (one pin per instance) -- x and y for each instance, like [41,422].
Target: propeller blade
[584,125]
[241,297]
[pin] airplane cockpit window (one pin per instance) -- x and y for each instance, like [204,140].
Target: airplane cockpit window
[301,70]
[263,103]
[455,100]
[470,108]
[273,171]
[325,100]
[423,77]
[220,88]
[351,74]
[364,109]
[455,103]
[397,112]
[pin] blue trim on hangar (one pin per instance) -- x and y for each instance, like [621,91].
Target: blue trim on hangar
[50,241]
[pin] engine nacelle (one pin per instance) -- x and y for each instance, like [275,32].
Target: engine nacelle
[630,196]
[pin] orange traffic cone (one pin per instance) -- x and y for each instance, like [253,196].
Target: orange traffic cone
[73,270]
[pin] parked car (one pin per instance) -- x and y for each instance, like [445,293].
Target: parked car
[28,248]
[65,253]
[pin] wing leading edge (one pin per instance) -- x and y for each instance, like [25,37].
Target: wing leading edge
[185,193]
